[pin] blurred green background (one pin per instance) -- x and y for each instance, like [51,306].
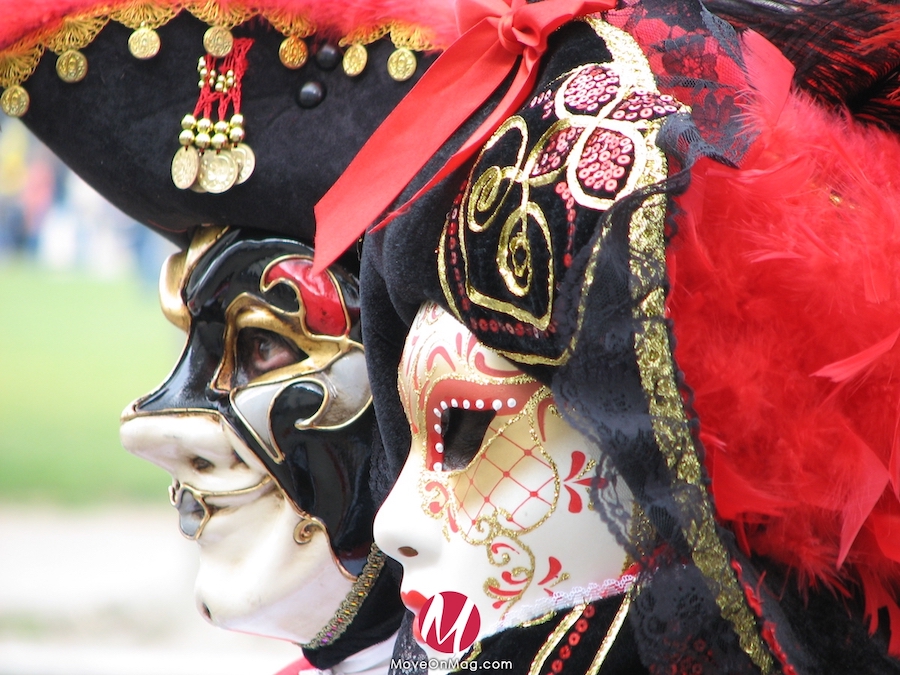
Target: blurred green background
[74,351]
[81,333]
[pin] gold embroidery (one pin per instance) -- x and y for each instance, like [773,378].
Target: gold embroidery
[496,188]
[143,15]
[213,13]
[611,634]
[75,33]
[544,618]
[474,653]
[289,24]
[18,62]
[553,639]
[655,362]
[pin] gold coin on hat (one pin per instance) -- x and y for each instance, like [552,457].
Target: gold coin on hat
[293,52]
[185,166]
[218,171]
[246,158]
[355,59]
[144,43]
[71,66]
[14,101]
[218,41]
[401,64]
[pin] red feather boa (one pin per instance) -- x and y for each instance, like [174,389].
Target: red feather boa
[335,18]
[786,306]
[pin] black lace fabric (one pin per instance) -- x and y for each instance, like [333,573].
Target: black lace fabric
[678,613]
[408,655]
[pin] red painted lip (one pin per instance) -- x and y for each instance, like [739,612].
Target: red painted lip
[414,601]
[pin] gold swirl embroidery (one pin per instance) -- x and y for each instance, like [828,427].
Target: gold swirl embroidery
[493,190]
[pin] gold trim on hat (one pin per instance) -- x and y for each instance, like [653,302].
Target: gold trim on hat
[73,33]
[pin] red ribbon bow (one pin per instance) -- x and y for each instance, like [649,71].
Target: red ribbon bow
[495,33]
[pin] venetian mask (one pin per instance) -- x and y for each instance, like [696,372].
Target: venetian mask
[265,425]
[494,499]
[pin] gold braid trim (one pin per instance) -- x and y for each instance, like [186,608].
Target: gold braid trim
[290,25]
[144,15]
[212,14]
[351,603]
[403,35]
[18,62]
[75,33]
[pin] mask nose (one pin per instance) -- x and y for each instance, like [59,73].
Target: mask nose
[182,444]
[402,528]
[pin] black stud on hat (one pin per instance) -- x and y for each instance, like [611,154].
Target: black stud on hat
[289,91]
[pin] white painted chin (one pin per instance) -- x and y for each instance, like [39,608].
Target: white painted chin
[254,578]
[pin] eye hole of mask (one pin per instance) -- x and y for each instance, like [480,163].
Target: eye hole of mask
[259,351]
[463,433]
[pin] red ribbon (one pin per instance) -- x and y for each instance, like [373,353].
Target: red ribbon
[495,33]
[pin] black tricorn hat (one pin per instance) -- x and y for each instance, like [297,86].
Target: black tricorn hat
[312,83]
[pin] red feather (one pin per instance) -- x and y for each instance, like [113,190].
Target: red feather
[786,306]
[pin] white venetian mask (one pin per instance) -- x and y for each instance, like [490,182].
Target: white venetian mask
[493,501]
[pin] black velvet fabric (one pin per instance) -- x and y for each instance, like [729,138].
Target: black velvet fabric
[520,645]
[118,128]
